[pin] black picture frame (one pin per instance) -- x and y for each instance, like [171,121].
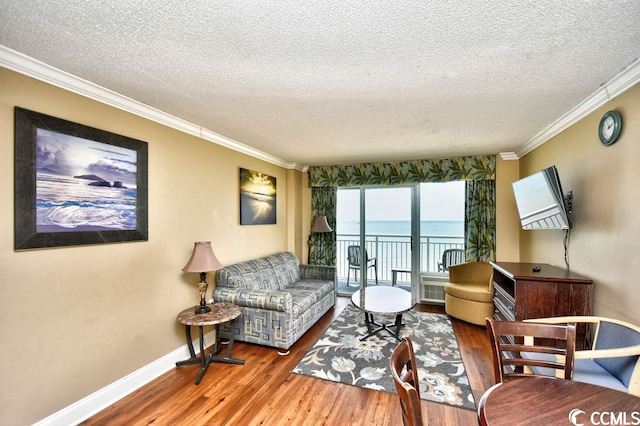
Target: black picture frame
[33,132]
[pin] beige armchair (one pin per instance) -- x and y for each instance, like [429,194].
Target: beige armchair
[469,292]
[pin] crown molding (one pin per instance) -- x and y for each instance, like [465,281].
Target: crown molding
[619,84]
[31,67]
[509,156]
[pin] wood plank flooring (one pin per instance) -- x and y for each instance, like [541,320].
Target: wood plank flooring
[264,392]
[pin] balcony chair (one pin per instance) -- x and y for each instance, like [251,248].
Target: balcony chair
[354,257]
[613,361]
[469,292]
[450,257]
[405,376]
[512,340]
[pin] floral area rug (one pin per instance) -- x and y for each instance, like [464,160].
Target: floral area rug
[340,356]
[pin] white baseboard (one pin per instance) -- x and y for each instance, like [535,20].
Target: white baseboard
[103,398]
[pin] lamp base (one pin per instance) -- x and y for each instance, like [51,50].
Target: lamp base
[202,286]
[202,309]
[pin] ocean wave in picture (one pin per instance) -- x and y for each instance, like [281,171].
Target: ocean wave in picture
[69,204]
[259,208]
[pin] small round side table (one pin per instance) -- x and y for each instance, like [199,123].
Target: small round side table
[220,313]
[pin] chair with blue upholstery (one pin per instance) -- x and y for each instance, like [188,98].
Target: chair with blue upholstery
[613,361]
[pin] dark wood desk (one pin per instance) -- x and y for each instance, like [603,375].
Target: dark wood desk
[383,300]
[220,313]
[548,401]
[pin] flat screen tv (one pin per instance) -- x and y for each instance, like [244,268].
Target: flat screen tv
[541,203]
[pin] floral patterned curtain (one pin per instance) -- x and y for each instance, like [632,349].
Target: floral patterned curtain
[478,171]
[404,172]
[480,220]
[322,246]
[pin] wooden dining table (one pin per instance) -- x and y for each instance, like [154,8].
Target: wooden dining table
[549,401]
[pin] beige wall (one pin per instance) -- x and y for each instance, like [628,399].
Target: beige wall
[605,239]
[507,221]
[295,213]
[76,319]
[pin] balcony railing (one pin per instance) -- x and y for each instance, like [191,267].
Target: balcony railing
[394,251]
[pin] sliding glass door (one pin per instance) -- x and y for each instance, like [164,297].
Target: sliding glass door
[442,208]
[378,226]
[405,231]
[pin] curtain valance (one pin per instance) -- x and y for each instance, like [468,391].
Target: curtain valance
[404,172]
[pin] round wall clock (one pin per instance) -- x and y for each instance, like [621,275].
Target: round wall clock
[610,127]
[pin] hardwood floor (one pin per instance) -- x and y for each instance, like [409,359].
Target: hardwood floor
[264,392]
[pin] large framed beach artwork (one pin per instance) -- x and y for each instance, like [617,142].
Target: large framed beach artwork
[77,185]
[257,198]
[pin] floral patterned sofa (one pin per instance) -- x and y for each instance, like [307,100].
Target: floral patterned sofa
[280,299]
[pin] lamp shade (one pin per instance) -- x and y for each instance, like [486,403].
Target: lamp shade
[202,258]
[321,225]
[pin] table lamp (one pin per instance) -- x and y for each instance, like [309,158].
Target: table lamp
[320,226]
[202,260]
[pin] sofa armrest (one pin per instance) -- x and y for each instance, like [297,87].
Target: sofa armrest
[318,272]
[273,300]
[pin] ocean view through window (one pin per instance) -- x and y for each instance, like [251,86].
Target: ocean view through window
[388,225]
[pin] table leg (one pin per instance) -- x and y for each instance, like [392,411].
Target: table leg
[227,358]
[398,324]
[368,319]
[203,359]
[193,359]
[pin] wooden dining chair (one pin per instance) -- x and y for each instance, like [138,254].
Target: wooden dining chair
[405,375]
[511,341]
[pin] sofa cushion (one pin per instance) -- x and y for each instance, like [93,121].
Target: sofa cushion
[307,292]
[267,273]
[286,268]
[245,274]
[478,292]
[265,276]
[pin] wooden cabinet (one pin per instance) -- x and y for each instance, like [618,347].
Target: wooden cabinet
[523,292]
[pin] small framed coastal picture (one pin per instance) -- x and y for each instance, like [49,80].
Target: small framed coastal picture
[76,185]
[257,198]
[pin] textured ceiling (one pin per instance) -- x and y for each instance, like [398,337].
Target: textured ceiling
[341,81]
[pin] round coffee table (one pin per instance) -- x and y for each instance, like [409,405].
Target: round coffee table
[383,300]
